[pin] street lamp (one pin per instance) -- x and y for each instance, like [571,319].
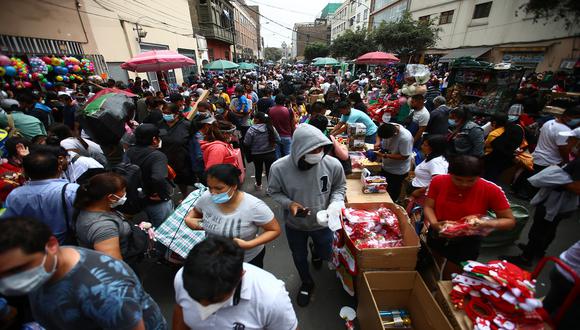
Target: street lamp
[141,34]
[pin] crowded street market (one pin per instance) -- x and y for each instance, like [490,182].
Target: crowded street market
[388,190]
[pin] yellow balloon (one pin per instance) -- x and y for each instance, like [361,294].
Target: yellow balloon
[59,78]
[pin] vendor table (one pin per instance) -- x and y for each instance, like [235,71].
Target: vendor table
[354,194]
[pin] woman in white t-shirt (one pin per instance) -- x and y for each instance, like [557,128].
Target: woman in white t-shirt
[226,211]
[434,164]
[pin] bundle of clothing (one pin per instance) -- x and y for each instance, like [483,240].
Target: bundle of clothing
[497,296]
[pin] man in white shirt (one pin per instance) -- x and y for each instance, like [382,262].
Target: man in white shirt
[216,290]
[552,147]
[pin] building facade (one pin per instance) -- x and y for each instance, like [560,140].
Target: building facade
[254,12]
[329,10]
[246,38]
[214,19]
[307,33]
[351,15]
[109,35]
[498,31]
[387,11]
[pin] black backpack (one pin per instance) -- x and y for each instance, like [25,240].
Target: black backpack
[131,173]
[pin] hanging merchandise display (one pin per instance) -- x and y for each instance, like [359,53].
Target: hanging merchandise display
[23,72]
[497,295]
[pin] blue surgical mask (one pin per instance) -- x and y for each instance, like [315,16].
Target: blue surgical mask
[572,123]
[27,281]
[451,122]
[221,198]
[512,119]
[168,117]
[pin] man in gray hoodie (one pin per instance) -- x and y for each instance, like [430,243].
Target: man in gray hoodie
[304,183]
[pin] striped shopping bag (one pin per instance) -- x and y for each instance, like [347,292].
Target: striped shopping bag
[174,233]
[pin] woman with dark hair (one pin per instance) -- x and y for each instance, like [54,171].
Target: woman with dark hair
[467,137]
[456,195]
[261,141]
[98,226]
[225,210]
[433,147]
[357,102]
[176,145]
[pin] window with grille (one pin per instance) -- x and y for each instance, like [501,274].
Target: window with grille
[482,10]
[446,17]
[424,18]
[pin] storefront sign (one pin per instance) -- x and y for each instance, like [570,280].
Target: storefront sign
[521,58]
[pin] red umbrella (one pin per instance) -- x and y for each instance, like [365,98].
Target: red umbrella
[377,58]
[157,60]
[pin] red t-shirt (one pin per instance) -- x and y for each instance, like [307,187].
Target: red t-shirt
[452,204]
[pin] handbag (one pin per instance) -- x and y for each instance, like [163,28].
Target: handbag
[174,233]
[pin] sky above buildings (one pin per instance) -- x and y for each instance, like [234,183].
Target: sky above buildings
[279,16]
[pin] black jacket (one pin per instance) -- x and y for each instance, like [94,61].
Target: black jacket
[153,164]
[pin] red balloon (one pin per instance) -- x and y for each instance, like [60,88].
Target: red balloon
[27,84]
[47,60]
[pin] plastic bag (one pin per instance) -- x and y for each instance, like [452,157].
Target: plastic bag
[420,72]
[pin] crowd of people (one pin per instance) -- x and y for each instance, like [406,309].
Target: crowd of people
[67,234]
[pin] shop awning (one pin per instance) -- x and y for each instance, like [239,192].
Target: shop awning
[463,52]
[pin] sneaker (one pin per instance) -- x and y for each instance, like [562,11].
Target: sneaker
[258,187]
[316,260]
[303,298]
[518,260]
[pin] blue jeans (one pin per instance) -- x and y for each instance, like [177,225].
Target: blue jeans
[298,242]
[371,138]
[158,212]
[283,147]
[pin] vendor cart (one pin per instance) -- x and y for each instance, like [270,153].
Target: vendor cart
[490,87]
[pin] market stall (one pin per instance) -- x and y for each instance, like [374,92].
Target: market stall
[490,87]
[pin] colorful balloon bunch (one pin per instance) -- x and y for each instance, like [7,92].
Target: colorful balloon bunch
[65,69]
[37,65]
[87,66]
[13,67]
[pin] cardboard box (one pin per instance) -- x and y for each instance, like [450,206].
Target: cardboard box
[355,195]
[396,258]
[457,318]
[398,290]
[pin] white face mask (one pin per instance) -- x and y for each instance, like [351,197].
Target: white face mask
[160,144]
[27,281]
[209,310]
[121,200]
[313,159]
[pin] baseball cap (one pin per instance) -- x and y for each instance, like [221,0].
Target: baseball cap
[573,133]
[8,104]
[145,133]
[205,118]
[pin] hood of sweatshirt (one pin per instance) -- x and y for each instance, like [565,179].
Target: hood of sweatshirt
[261,128]
[207,146]
[305,139]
